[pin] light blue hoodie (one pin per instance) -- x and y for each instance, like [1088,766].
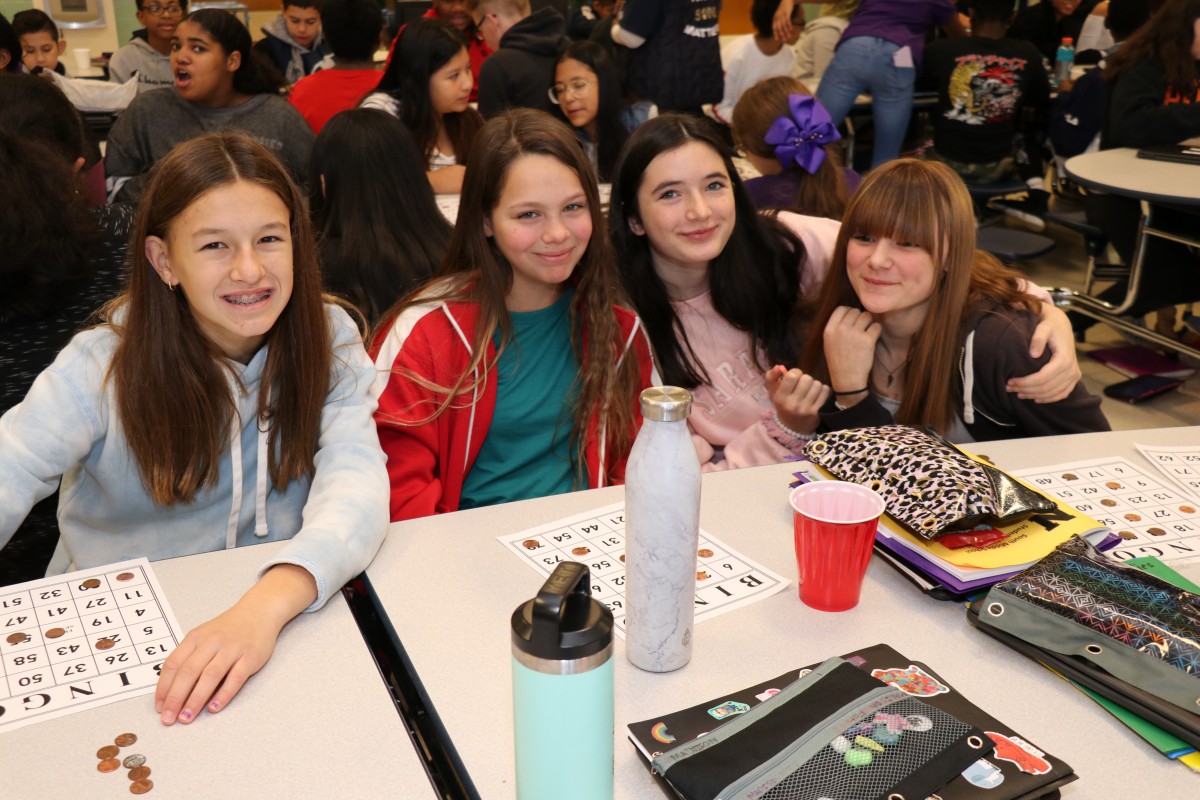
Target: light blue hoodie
[67,425]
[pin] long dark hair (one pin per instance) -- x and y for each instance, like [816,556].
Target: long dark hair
[422,48]
[172,391]
[11,44]
[754,282]
[381,233]
[610,130]
[1165,39]
[47,230]
[475,271]
[253,75]
[822,194]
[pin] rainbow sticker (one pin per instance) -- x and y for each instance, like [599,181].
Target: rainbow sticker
[659,732]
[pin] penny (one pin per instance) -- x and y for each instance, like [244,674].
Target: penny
[1187,509]
[1156,532]
[1108,501]
[704,552]
[104,644]
[108,751]
[108,765]
[141,787]
[579,551]
[531,544]
[622,558]
[1133,517]
[16,638]
[1070,476]
[1127,535]
[135,760]
[139,773]
[54,633]
[125,739]
[1113,485]
[125,576]
[91,583]
[701,575]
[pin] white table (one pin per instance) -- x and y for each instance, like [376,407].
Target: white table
[316,721]
[449,587]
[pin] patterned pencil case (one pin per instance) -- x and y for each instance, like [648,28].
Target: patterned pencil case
[836,732]
[1084,607]
[930,486]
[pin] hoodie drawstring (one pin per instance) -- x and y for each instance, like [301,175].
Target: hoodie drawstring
[260,483]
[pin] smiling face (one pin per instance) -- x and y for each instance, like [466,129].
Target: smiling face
[230,253]
[542,226]
[893,280]
[303,24]
[454,12]
[203,70]
[580,95]
[686,209]
[39,49]
[450,86]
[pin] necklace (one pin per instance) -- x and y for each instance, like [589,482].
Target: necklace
[890,373]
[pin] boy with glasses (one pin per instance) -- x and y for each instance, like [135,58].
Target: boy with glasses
[148,53]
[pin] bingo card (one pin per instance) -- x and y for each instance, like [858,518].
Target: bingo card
[1152,517]
[79,640]
[1180,464]
[725,580]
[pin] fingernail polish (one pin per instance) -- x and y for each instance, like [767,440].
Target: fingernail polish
[186,715]
[215,705]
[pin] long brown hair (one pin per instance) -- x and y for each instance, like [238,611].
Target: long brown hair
[822,194]
[475,271]
[173,393]
[1165,39]
[927,204]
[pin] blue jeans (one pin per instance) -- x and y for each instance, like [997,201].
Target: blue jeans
[864,64]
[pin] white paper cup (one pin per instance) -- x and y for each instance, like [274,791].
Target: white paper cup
[83,59]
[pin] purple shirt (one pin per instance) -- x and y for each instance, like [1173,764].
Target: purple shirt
[903,22]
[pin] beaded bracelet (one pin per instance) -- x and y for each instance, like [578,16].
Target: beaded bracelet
[806,437]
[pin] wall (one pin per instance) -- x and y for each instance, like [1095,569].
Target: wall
[100,40]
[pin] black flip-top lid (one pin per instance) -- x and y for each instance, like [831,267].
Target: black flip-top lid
[563,622]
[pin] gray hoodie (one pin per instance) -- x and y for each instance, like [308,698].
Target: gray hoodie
[152,67]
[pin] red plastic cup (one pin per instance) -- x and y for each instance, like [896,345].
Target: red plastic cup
[834,524]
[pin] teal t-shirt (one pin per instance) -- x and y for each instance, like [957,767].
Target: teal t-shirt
[528,451]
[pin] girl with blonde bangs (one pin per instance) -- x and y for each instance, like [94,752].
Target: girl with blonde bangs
[914,325]
[514,373]
[219,403]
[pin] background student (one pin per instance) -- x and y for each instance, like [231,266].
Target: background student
[41,45]
[293,42]
[381,234]
[148,52]
[756,56]
[351,28]
[221,403]
[455,12]
[525,47]
[427,85]
[219,85]
[914,325]
[513,374]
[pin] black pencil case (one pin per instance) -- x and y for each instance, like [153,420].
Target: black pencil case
[836,732]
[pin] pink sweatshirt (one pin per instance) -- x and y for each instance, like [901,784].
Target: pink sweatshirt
[731,420]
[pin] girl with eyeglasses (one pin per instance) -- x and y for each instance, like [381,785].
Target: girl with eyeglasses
[427,85]
[219,85]
[587,92]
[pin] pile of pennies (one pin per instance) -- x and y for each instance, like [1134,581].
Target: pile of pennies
[139,773]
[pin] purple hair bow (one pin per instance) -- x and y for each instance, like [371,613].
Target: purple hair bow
[801,138]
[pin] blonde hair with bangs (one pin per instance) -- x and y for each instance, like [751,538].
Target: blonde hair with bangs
[927,204]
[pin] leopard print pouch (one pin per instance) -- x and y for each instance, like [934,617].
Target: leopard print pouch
[929,485]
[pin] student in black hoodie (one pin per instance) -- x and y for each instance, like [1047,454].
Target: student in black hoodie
[526,47]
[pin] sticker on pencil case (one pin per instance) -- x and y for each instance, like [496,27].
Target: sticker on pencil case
[984,774]
[767,695]
[730,708]
[1020,752]
[660,734]
[911,680]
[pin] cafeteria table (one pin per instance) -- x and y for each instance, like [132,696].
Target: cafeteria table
[316,722]
[444,588]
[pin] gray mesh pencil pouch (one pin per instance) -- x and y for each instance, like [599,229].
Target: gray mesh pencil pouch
[836,732]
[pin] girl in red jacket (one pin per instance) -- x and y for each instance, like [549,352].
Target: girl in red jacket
[513,374]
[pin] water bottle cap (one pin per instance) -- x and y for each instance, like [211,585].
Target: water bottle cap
[563,622]
[1067,40]
[666,403]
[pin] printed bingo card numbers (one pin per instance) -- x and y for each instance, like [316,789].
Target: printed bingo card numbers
[1180,464]
[1152,517]
[725,580]
[79,640]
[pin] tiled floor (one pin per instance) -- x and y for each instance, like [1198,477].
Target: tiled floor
[1064,267]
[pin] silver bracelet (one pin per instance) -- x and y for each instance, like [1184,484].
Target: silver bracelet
[804,437]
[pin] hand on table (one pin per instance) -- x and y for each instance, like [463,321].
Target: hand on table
[797,397]
[1055,380]
[850,337]
[215,659]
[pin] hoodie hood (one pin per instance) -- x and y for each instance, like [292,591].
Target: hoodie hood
[541,33]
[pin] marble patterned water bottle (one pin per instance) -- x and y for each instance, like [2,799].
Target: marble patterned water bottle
[662,529]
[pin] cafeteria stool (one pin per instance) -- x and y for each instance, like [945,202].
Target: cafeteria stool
[1003,243]
[1094,243]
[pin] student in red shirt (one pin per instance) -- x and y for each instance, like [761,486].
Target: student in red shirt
[352,29]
